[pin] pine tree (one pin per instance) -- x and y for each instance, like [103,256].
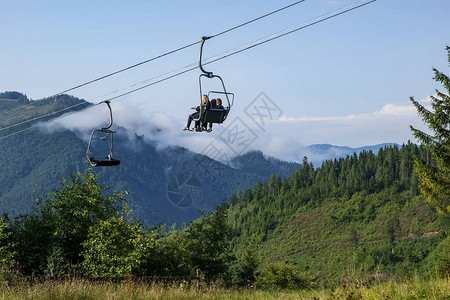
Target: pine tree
[435,176]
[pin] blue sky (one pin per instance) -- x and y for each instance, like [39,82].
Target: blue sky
[345,81]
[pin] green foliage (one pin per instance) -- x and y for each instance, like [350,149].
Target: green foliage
[117,246]
[208,243]
[32,236]
[248,265]
[359,214]
[50,240]
[260,210]
[435,176]
[392,231]
[443,258]
[7,253]
[201,249]
[283,276]
[77,207]
[171,256]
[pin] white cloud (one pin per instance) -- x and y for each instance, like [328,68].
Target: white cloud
[389,124]
[284,138]
[396,110]
[389,109]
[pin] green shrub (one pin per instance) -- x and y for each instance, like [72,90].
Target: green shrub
[283,276]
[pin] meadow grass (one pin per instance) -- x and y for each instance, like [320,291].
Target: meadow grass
[84,289]
[411,289]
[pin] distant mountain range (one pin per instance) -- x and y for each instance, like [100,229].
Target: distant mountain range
[172,186]
[319,152]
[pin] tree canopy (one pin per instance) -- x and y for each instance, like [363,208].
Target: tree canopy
[81,228]
[435,175]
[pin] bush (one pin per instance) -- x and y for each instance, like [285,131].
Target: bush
[282,277]
[116,247]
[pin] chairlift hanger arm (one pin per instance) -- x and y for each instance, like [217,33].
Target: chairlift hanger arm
[110,115]
[208,74]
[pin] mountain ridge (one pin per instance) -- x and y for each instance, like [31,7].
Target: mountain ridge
[318,153]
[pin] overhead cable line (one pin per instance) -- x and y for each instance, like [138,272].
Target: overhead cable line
[54,119]
[216,58]
[259,42]
[247,46]
[43,116]
[256,19]
[162,55]
[179,49]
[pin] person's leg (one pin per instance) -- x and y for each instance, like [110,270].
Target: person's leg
[189,122]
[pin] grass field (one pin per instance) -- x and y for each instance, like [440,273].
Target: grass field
[84,289]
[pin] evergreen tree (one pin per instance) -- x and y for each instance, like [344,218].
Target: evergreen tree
[248,263]
[435,175]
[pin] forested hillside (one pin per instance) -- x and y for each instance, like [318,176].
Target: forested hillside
[356,218]
[16,108]
[355,215]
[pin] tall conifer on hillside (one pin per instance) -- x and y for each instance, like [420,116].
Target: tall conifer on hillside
[435,175]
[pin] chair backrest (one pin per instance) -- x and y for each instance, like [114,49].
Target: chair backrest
[213,115]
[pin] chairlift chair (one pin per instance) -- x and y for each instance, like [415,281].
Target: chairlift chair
[212,115]
[104,134]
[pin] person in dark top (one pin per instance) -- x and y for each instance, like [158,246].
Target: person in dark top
[219,104]
[215,104]
[196,114]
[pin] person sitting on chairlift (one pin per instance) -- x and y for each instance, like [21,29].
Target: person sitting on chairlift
[219,104]
[196,114]
[215,104]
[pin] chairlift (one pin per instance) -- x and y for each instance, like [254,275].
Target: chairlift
[212,115]
[103,135]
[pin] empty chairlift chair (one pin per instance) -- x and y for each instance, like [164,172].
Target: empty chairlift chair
[102,140]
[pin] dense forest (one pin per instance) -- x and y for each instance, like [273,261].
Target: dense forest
[355,215]
[360,214]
